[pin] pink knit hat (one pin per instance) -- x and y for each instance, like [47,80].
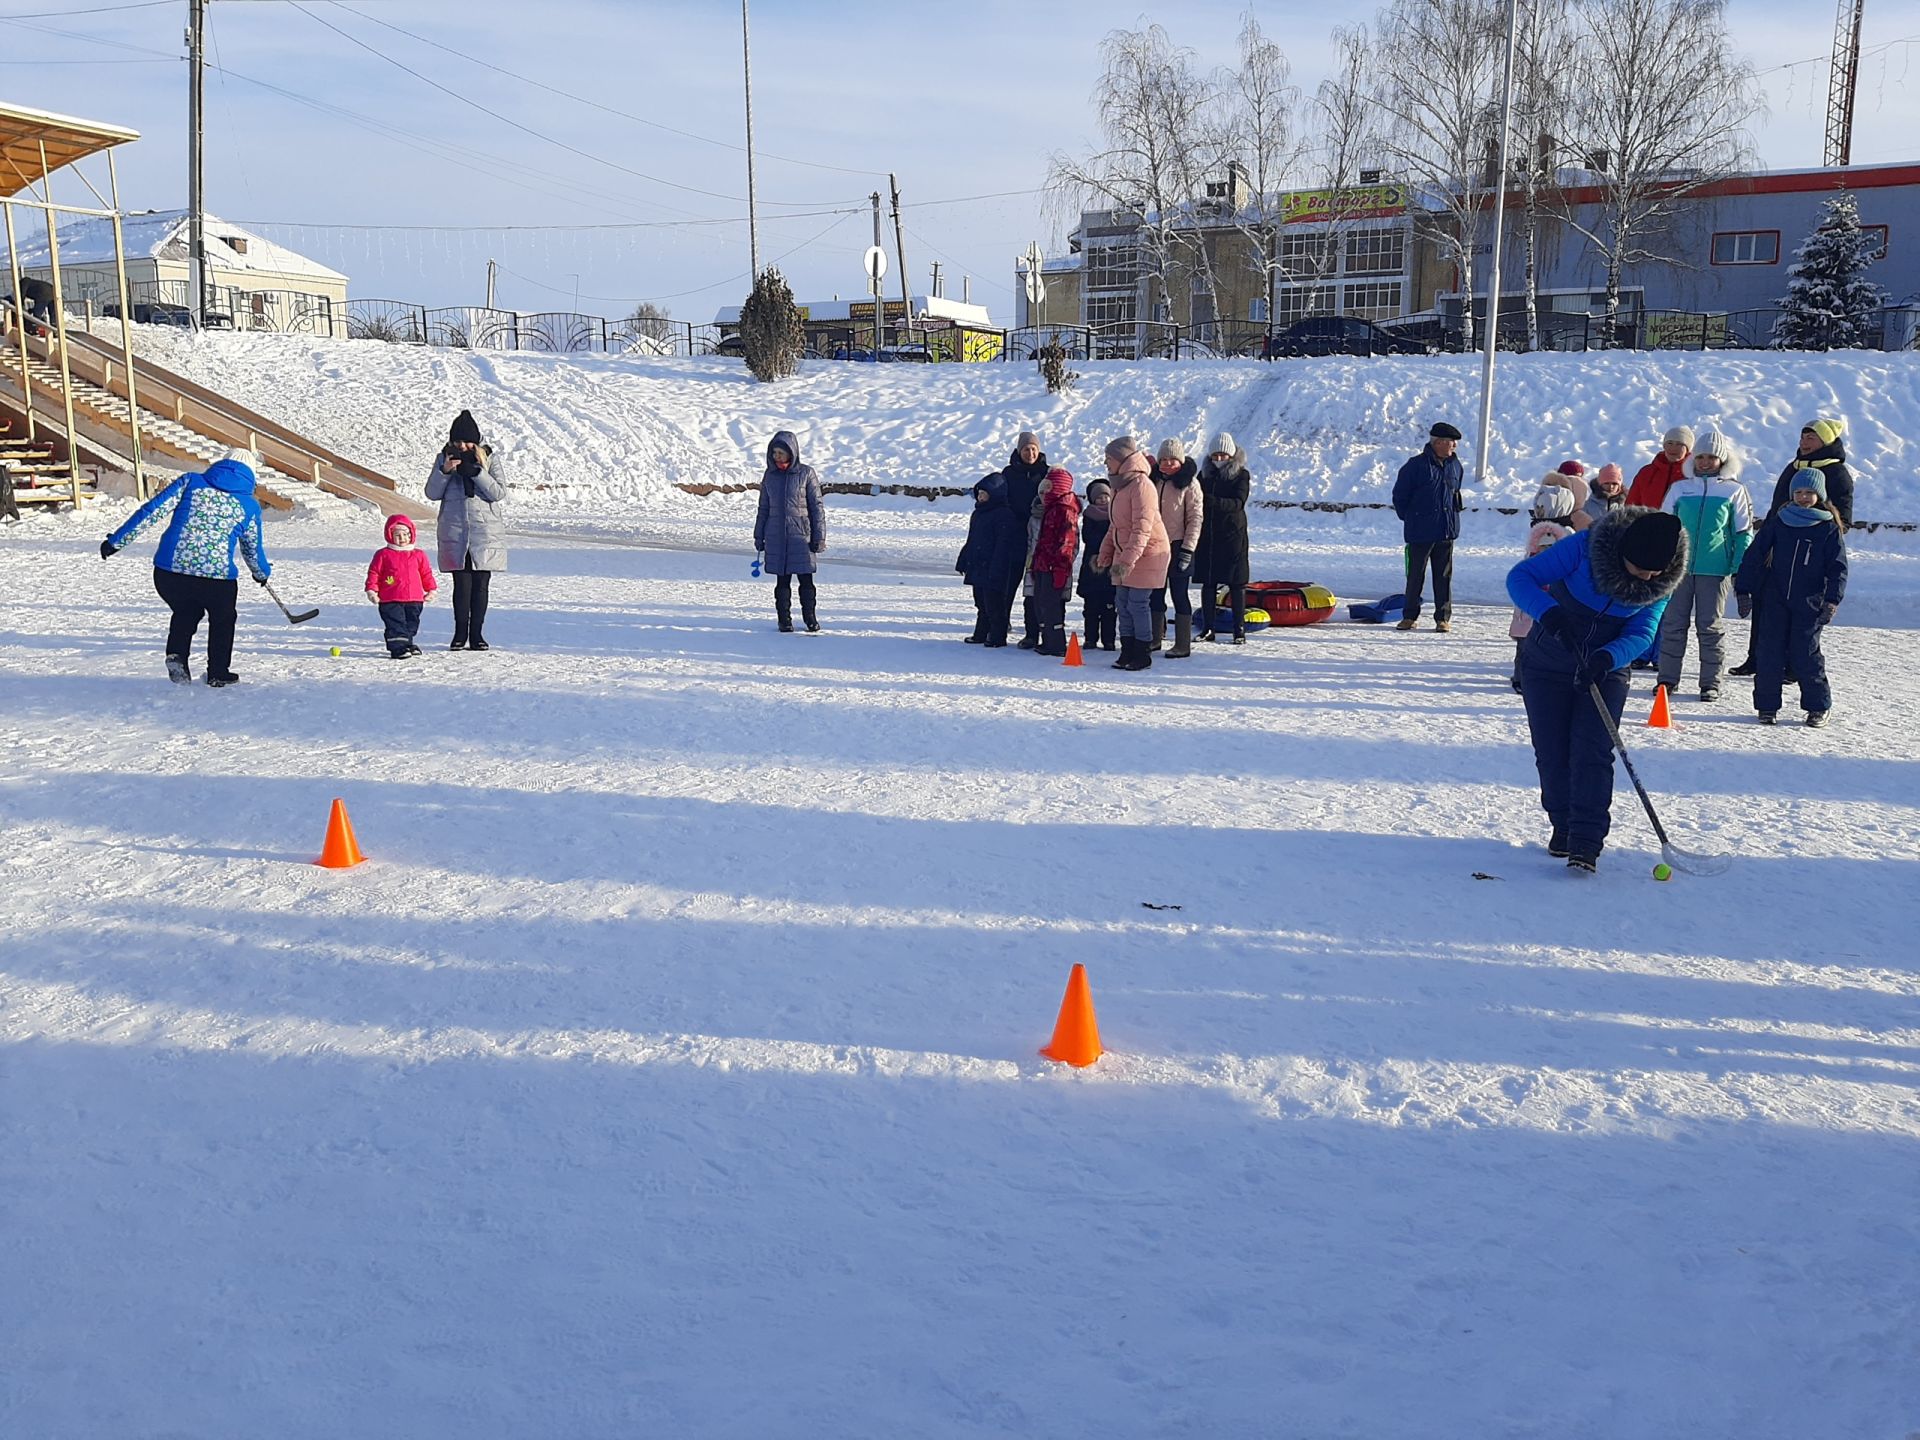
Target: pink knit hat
[398,521]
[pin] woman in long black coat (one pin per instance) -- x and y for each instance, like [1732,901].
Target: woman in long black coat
[1222,558]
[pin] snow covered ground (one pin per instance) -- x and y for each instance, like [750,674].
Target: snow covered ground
[670,1069]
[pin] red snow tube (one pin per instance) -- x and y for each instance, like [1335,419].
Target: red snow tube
[1292,602]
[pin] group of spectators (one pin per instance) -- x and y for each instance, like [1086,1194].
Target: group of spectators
[1142,535]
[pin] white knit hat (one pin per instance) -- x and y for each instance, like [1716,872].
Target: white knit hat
[242,455]
[1223,445]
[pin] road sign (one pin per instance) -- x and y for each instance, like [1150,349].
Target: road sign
[1036,284]
[876,262]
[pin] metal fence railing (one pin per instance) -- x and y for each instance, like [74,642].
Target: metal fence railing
[476,327]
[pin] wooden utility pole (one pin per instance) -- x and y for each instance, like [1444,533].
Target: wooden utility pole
[196,179]
[900,253]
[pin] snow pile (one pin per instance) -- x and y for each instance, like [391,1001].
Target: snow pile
[606,436]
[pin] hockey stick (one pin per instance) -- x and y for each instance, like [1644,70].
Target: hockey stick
[1679,859]
[292,619]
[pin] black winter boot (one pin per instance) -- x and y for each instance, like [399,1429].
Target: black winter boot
[1182,638]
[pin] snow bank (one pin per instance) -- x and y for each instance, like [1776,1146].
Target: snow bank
[599,436]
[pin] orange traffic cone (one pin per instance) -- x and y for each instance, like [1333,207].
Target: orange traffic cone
[1076,1034]
[1659,719]
[341,851]
[1073,650]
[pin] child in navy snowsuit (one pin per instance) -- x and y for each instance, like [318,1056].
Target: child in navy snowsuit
[1595,598]
[1096,585]
[992,561]
[1797,569]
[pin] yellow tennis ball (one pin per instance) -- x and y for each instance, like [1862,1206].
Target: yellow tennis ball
[335,652]
[1663,871]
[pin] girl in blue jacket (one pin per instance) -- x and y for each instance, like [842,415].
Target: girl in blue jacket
[213,519]
[1595,599]
[1797,568]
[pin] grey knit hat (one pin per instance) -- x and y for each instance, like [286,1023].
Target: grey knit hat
[1223,445]
[1027,437]
[1120,449]
[1679,433]
[1172,450]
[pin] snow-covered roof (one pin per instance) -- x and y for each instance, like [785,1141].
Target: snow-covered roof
[934,307]
[162,235]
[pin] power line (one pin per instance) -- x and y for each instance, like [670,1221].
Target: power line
[95,10]
[542,229]
[524,129]
[955,263]
[595,104]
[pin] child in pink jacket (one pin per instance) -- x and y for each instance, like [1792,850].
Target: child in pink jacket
[399,581]
[1551,515]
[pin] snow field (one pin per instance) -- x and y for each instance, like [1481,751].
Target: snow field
[671,1068]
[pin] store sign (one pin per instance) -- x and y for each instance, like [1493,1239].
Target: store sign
[1368,202]
[863,310]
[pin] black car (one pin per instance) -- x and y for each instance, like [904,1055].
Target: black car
[1338,335]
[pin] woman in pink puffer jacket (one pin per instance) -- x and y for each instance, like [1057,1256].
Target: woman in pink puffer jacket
[1136,552]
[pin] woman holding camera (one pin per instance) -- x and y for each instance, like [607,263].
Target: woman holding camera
[472,529]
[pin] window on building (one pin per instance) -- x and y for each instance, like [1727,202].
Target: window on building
[1112,267]
[1377,300]
[1257,310]
[1299,301]
[1879,232]
[1111,309]
[1306,254]
[1746,247]
[1376,252]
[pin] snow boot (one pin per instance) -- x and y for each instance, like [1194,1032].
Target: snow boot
[1557,843]
[1443,626]
[1709,695]
[1582,864]
[476,643]
[1182,638]
[1816,718]
[1766,717]
[225,677]
[177,670]
[1159,632]
[1408,623]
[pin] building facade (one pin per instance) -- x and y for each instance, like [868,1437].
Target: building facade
[252,282]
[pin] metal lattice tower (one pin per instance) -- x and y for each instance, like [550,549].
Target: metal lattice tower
[1841,82]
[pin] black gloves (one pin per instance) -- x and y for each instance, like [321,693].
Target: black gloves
[1596,667]
[1743,605]
[1183,563]
[1554,624]
[1827,613]
[108,549]
[469,465]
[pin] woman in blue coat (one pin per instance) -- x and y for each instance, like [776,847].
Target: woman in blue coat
[790,529]
[1596,599]
[212,519]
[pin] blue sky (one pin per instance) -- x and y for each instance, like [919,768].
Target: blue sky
[972,98]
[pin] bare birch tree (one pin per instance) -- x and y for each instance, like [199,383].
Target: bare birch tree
[1261,101]
[1343,139]
[1542,101]
[1157,144]
[1655,135]
[1436,67]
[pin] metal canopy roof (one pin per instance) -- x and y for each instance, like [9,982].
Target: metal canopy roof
[24,131]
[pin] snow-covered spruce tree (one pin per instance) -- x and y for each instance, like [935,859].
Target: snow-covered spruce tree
[770,334]
[1830,304]
[1053,368]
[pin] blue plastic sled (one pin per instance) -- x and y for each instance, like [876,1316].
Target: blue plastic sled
[1378,612]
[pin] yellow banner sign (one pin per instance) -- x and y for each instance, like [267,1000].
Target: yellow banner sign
[1367,202]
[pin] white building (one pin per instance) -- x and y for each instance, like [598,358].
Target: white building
[253,284]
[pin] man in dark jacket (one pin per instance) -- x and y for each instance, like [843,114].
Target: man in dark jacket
[1026,472]
[1822,448]
[1426,497]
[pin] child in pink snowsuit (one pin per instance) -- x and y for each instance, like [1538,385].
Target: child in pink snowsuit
[1551,515]
[399,581]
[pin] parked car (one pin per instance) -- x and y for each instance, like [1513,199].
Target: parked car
[162,313]
[731,345]
[1338,335]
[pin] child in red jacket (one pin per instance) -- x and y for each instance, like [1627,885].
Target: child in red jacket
[1053,556]
[399,581]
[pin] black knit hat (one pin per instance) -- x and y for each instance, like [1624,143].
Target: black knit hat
[1443,431]
[1651,541]
[464,427]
